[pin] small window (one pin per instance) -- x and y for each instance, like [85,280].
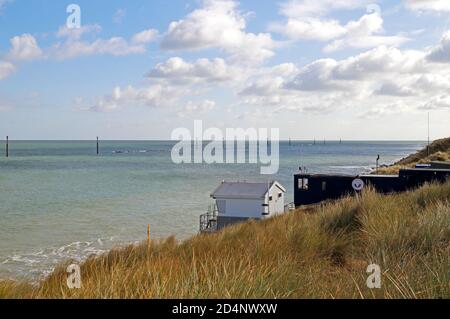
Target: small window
[324,186]
[270,198]
[303,184]
[280,195]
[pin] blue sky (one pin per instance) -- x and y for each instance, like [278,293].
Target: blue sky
[139,69]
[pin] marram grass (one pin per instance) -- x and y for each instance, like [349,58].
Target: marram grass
[320,254]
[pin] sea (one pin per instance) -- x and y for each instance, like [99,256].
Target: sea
[61,201]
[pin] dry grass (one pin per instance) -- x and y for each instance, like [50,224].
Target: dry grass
[296,255]
[439,151]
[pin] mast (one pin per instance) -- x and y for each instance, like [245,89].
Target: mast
[428,147]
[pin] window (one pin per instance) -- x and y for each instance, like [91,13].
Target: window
[324,186]
[303,184]
[270,198]
[280,195]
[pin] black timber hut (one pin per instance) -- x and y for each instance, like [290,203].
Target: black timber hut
[315,188]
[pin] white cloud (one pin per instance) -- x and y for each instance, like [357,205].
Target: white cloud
[305,8]
[266,86]
[145,36]
[376,83]
[332,75]
[24,48]
[437,102]
[428,5]
[6,69]
[179,71]
[441,53]
[394,89]
[116,46]
[152,96]
[197,107]
[385,110]
[307,20]
[310,29]
[365,33]
[433,82]
[73,46]
[77,33]
[218,24]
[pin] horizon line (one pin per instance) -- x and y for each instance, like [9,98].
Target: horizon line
[318,141]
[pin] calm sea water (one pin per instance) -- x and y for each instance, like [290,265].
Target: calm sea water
[58,200]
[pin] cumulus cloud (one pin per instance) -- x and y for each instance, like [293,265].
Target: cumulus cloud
[428,5]
[394,89]
[76,33]
[365,33]
[145,36]
[218,24]
[329,74]
[438,102]
[197,107]
[441,53]
[310,29]
[308,20]
[24,48]
[74,46]
[202,70]
[6,69]
[370,83]
[379,111]
[152,96]
[303,8]
[116,46]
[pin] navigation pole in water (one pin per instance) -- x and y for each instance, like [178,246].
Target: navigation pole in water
[97,146]
[7,146]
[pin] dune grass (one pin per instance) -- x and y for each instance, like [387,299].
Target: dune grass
[297,255]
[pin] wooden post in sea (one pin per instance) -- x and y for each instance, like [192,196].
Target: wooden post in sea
[7,146]
[97,146]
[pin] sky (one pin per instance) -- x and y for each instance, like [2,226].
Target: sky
[333,69]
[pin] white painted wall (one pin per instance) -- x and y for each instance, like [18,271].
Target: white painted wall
[246,208]
[276,205]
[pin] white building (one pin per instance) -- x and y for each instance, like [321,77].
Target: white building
[240,201]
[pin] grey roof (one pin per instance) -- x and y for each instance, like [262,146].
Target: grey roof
[241,190]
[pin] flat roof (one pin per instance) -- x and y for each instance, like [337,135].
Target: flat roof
[326,175]
[426,169]
[381,176]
